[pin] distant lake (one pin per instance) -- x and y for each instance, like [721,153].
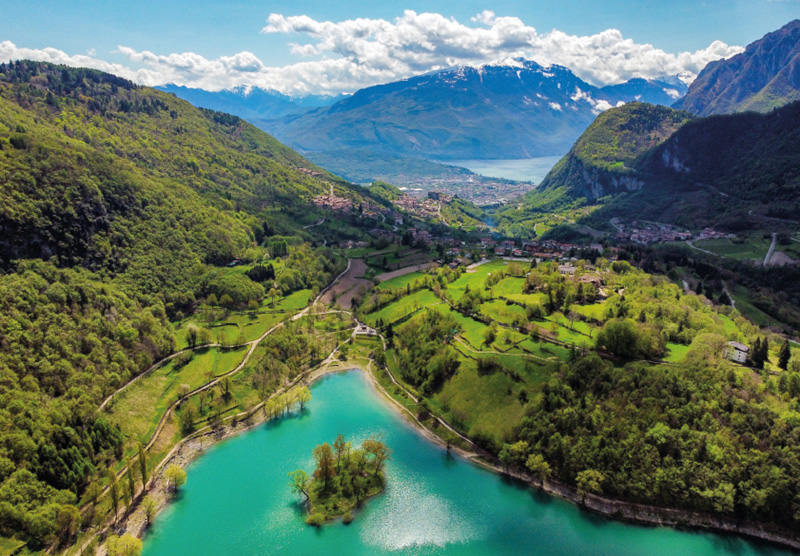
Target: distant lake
[237,501]
[525,169]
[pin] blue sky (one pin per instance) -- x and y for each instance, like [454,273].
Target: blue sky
[216,32]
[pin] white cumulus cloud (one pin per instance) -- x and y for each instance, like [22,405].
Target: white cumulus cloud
[344,56]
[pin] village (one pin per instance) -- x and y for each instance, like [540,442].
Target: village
[646,232]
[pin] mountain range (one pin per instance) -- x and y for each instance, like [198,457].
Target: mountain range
[730,169]
[511,109]
[250,103]
[765,76]
[638,161]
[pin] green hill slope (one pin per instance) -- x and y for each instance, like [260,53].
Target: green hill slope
[640,161]
[99,171]
[600,164]
[115,202]
[735,171]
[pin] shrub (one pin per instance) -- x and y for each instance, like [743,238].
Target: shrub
[316,519]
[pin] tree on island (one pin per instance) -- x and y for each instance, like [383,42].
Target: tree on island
[325,466]
[342,480]
[300,483]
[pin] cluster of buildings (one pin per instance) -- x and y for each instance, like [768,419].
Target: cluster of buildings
[333,203]
[312,173]
[547,250]
[421,207]
[644,232]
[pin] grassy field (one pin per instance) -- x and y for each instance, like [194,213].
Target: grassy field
[576,332]
[595,311]
[400,281]
[487,405]
[739,248]
[471,330]
[545,350]
[499,311]
[510,285]
[403,307]
[675,352]
[9,546]
[475,280]
[138,409]
[243,326]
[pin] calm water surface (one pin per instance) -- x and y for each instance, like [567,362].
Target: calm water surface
[237,501]
[525,169]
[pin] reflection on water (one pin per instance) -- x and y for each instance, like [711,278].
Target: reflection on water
[237,500]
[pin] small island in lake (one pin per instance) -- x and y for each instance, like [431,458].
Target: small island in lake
[343,479]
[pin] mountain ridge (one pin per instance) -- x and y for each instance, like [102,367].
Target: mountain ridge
[765,76]
[249,102]
[493,111]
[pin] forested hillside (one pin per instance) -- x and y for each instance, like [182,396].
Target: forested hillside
[120,207]
[101,172]
[642,161]
[606,378]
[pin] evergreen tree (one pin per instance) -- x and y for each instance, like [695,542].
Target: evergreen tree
[143,466]
[755,355]
[784,355]
[764,352]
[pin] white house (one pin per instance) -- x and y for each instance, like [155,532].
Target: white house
[737,352]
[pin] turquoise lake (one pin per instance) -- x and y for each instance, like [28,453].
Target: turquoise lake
[237,501]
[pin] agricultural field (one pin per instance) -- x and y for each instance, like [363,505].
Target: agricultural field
[350,284]
[403,308]
[675,352]
[400,281]
[239,327]
[138,408]
[754,248]
[503,365]
[475,279]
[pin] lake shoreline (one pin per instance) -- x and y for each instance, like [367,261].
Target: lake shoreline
[193,447]
[640,514]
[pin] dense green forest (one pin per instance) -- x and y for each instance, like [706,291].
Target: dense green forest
[702,435]
[68,339]
[120,208]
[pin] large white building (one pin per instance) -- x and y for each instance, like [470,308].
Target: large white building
[737,352]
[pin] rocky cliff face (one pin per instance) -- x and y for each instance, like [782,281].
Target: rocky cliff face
[601,162]
[672,158]
[765,76]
